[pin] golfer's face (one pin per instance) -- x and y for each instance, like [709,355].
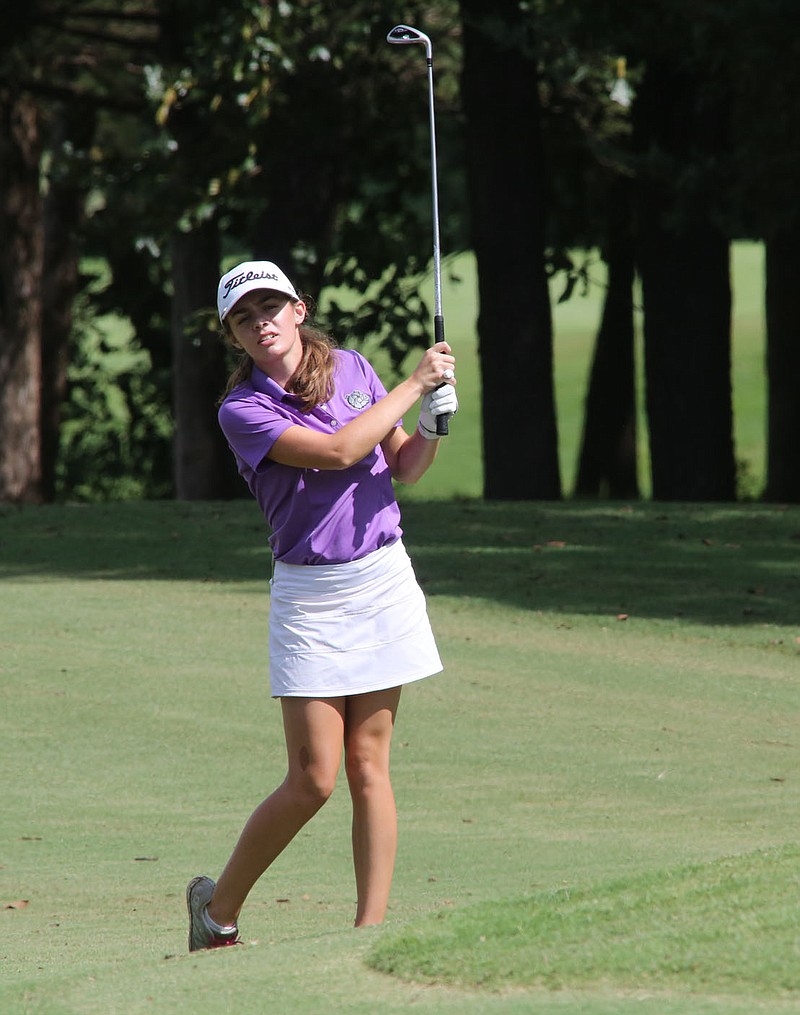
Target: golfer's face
[264,323]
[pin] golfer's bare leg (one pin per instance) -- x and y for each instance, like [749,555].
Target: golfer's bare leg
[314,731]
[369,723]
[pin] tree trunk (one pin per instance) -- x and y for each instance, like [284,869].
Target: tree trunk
[783,367]
[63,217]
[683,259]
[204,465]
[607,465]
[507,204]
[21,246]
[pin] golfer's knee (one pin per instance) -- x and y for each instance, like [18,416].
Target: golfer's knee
[313,787]
[365,770]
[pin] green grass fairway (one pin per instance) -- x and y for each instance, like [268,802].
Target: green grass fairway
[604,783]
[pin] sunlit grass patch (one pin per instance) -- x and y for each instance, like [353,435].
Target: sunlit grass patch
[726,927]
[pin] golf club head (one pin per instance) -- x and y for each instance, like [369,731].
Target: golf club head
[404,35]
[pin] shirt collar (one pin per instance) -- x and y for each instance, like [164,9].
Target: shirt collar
[265,384]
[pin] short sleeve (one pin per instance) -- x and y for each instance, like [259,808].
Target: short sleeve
[251,424]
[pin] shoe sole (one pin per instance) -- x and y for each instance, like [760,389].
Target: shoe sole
[189,890]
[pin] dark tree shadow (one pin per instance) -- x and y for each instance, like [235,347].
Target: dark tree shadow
[714,564]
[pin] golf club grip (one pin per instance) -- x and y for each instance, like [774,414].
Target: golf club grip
[443,421]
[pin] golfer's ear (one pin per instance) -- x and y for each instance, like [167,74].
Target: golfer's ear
[300,311]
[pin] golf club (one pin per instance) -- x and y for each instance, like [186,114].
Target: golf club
[403,35]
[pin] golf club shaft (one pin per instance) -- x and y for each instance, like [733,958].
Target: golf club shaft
[442,421]
[403,34]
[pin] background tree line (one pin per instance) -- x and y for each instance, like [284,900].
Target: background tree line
[142,145]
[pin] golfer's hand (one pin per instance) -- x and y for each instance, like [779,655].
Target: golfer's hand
[437,365]
[436,403]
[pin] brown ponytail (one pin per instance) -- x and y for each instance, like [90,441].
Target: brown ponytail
[312,382]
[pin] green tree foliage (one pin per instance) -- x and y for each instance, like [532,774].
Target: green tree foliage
[115,417]
[309,130]
[285,125]
[76,65]
[291,129]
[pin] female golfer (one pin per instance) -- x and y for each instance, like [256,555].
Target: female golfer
[319,440]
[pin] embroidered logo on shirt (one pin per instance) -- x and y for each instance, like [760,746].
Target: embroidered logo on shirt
[358,399]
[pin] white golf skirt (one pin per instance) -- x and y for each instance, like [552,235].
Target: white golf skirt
[349,628]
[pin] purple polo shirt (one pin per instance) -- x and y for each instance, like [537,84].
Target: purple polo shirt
[317,516]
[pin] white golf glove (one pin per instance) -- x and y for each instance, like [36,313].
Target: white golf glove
[436,403]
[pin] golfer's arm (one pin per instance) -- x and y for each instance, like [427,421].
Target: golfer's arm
[308,449]
[409,457]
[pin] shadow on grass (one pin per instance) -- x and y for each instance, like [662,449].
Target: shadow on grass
[718,564]
[734,564]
